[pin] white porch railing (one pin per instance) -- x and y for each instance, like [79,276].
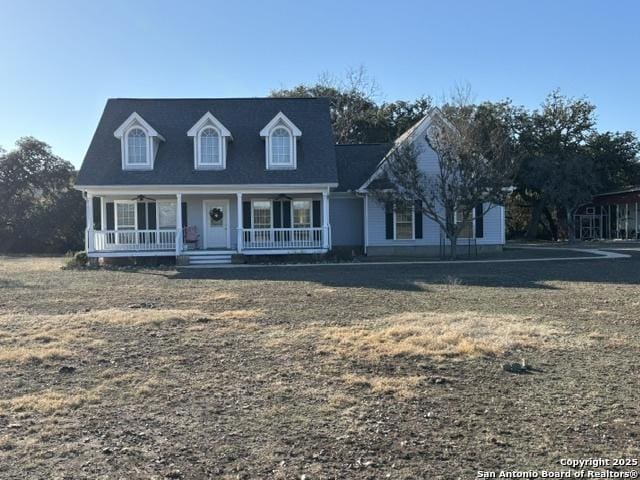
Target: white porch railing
[282,238]
[132,240]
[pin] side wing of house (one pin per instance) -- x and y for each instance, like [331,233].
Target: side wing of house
[390,231]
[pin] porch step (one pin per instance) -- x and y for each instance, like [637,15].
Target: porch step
[210,259]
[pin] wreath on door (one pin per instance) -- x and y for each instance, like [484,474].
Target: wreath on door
[216,214]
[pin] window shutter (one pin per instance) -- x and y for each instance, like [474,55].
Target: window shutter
[417,219]
[151,215]
[185,221]
[277,214]
[142,215]
[316,214]
[286,214]
[479,222]
[246,214]
[111,219]
[97,213]
[388,220]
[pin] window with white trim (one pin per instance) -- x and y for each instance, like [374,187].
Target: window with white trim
[261,214]
[137,154]
[403,222]
[281,154]
[125,215]
[464,221]
[210,154]
[167,215]
[302,214]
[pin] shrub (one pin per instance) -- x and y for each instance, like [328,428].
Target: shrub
[76,259]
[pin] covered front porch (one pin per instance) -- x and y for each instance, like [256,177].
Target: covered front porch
[158,223]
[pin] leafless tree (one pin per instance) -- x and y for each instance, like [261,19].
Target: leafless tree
[477,165]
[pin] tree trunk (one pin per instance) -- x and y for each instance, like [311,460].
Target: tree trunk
[534,220]
[563,226]
[571,231]
[453,238]
[553,226]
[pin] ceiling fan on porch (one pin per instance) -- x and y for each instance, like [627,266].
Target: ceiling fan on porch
[282,196]
[142,198]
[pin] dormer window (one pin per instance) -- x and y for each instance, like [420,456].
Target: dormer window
[281,153]
[210,147]
[280,136]
[139,143]
[210,139]
[137,147]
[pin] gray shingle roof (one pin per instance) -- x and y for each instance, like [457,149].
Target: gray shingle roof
[172,118]
[356,163]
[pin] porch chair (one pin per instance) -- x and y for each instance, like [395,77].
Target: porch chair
[190,236]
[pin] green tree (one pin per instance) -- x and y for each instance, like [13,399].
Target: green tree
[41,211]
[356,116]
[556,169]
[615,159]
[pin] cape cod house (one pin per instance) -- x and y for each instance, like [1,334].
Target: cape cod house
[203,179]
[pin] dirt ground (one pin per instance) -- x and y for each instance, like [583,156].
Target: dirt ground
[354,371]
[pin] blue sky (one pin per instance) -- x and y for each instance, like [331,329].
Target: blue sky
[60,60]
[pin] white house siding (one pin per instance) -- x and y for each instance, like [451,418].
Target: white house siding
[376,231]
[346,219]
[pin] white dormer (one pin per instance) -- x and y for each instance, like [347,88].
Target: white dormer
[210,138]
[280,136]
[139,143]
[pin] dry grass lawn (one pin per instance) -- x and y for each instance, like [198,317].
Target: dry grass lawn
[327,372]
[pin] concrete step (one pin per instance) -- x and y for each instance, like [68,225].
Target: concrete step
[210,260]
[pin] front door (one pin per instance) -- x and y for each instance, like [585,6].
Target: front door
[216,222]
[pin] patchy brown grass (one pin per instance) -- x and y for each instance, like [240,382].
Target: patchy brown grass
[33,354]
[401,387]
[50,401]
[437,334]
[329,372]
[237,314]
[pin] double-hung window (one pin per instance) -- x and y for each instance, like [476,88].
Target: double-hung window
[166,215]
[302,212]
[464,222]
[125,222]
[262,220]
[403,223]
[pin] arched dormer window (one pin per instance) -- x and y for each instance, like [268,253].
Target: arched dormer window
[210,139]
[281,147]
[137,147]
[139,143]
[281,136]
[209,151]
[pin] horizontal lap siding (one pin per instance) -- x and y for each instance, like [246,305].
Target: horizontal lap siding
[492,227]
[428,163]
[431,230]
[346,219]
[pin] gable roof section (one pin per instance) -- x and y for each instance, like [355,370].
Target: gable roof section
[208,119]
[357,162]
[407,137]
[172,118]
[280,119]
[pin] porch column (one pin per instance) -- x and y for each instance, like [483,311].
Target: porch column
[178,223]
[239,220]
[89,230]
[325,220]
